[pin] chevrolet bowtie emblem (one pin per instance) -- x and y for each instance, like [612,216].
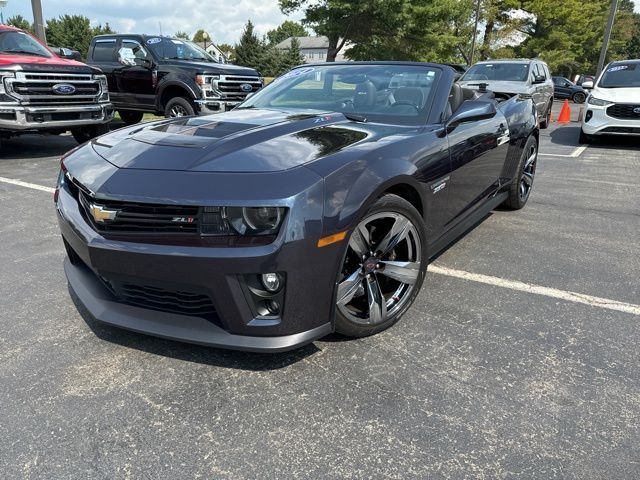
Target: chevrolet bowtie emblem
[101,214]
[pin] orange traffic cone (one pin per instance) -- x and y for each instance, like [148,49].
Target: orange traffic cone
[565,113]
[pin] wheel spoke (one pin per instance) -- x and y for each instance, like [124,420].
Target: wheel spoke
[405,272]
[377,302]
[348,288]
[397,233]
[530,160]
[360,241]
[527,178]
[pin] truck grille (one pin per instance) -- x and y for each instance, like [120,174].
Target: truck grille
[38,88]
[624,111]
[230,86]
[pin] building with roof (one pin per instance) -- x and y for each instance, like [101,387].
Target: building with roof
[213,50]
[314,49]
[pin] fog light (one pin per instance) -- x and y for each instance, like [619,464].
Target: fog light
[273,307]
[271,281]
[588,116]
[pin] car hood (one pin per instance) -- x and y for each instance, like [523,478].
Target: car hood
[27,60]
[618,95]
[251,140]
[212,67]
[498,86]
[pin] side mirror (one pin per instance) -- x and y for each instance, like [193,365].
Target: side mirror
[67,53]
[471,111]
[127,57]
[588,85]
[539,79]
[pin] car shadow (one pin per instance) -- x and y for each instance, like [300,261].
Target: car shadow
[214,357]
[34,146]
[569,136]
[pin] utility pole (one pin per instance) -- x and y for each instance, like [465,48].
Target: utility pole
[38,21]
[475,33]
[607,36]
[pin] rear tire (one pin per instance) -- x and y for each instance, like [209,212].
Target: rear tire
[179,107]
[84,134]
[130,117]
[547,117]
[374,290]
[522,184]
[579,97]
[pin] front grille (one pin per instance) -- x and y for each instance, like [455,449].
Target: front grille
[144,218]
[622,130]
[229,86]
[183,299]
[624,111]
[37,88]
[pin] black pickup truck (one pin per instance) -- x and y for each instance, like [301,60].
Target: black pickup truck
[168,76]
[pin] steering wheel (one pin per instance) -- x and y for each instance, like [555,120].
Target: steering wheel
[406,102]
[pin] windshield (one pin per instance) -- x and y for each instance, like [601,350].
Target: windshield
[19,43]
[395,94]
[514,72]
[174,48]
[621,76]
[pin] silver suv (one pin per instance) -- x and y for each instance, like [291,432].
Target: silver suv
[515,76]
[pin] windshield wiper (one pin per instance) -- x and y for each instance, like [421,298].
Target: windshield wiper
[25,52]
[355,117]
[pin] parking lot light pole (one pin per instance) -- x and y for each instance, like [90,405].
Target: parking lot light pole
[475,33]
[38,21]
[607,36]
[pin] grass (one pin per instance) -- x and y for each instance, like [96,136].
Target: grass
[146,117]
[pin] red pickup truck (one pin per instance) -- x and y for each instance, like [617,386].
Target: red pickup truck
[42,92]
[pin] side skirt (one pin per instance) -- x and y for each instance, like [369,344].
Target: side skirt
[453,234]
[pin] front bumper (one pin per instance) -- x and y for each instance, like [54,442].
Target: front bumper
[600,123]
[25,118]
[208,107]
[308,298]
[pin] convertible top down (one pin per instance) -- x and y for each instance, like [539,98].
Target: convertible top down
[313,207]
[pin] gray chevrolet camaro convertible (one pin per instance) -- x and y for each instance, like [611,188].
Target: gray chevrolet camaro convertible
[313,207]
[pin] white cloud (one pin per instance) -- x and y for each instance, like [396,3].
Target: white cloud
[223,19]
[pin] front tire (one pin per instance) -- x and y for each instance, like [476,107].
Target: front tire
[84,134]
[130,117]
[383,268]
[521,186]
[179,107]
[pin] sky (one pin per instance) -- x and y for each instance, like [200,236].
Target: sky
[223,19]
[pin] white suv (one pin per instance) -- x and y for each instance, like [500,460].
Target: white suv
[613,107]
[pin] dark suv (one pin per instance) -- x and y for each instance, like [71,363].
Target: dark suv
[168,76]
[563,88]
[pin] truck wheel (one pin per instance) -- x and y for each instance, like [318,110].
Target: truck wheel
[130,117]
[522,184]
[179,107]
[547,117]
[84,134]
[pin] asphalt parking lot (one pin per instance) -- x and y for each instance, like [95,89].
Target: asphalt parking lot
[519,359]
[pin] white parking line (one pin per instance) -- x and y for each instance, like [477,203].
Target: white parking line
[575,154]
[474,277]
[33,186]
[538,290]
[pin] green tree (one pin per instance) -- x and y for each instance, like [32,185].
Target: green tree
[71,31]
[201,36]
[250,51]
[183,35]
[103,30]
[285,30]
[19,21]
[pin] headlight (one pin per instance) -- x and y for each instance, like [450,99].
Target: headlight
[4,75]
[255,220]
[241,220]
[597,102]
[104,87]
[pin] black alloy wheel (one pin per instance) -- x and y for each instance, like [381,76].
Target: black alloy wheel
[383,268]
[520,188]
